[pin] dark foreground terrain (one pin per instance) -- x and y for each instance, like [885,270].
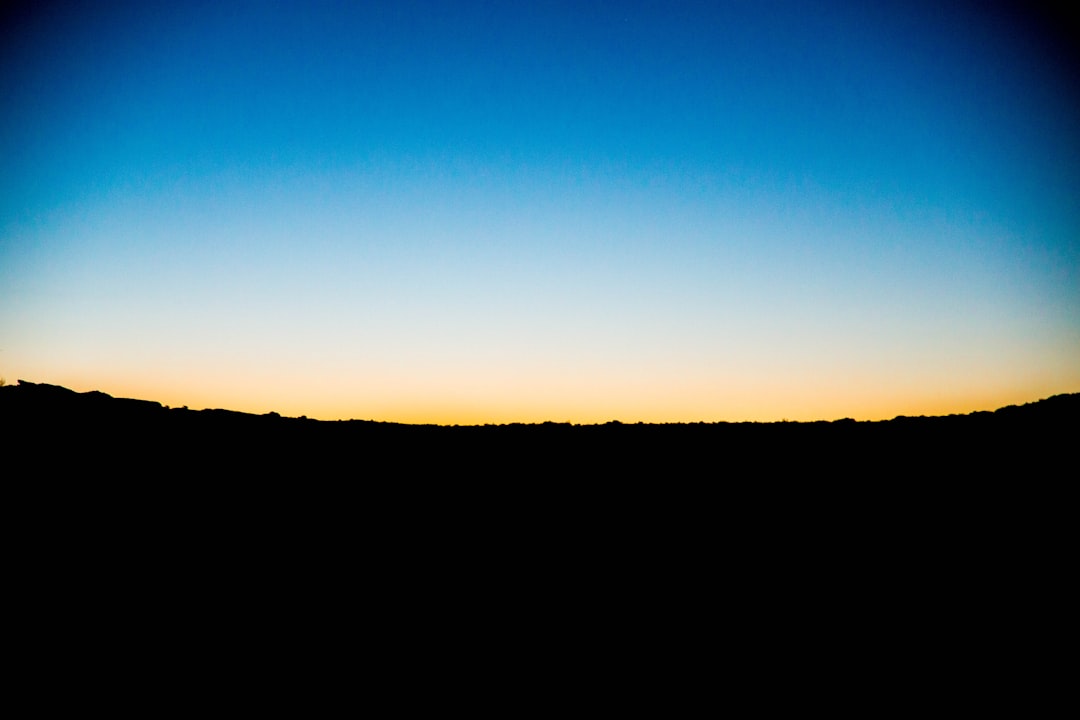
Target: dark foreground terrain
[57,428]
[916,553]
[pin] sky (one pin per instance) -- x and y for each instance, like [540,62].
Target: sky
[488,212]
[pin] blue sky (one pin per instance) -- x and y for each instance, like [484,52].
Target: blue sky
[472,212]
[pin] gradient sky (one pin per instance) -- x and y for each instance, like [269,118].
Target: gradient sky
[469,212]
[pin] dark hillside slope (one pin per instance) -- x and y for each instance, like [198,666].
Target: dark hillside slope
[74,431]
[903,534]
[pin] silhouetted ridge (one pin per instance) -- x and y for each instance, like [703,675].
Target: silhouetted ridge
[28,395]
[838,515]
[67,425]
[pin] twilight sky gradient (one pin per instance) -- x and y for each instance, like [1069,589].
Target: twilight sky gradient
[469,212]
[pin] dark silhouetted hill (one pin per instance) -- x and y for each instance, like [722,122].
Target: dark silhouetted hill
[65,429]
[900,538]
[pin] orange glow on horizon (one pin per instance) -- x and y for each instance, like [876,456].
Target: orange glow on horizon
[577,403]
